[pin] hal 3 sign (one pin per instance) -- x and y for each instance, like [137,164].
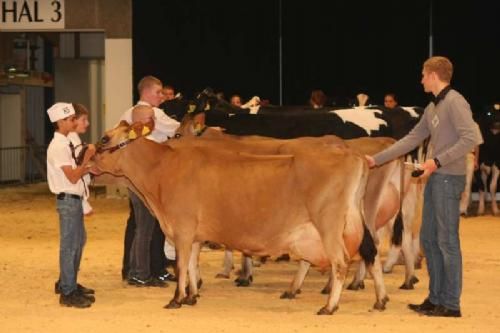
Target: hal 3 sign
[20,15]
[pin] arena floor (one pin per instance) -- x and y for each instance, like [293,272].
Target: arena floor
[29,267]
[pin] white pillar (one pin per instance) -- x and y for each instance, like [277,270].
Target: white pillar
[117,80]
[117,88]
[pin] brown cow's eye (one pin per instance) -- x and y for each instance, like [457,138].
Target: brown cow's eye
[105,139]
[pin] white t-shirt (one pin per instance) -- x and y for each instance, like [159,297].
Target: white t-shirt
[75,139]
[165,126]
[59,155]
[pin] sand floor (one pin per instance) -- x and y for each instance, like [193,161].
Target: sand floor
[29,267]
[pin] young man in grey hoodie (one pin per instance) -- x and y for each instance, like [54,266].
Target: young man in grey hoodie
[447,120]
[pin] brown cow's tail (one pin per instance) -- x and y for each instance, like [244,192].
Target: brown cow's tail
[367,249]
[397,230]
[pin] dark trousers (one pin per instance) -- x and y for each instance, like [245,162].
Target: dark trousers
[157,257]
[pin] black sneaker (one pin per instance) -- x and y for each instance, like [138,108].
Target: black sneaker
[81,289]
[151,282]
[425,307]
[441,311]
[167,277]
[74,299]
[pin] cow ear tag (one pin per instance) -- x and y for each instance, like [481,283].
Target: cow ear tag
[191,108]
[145,131]
[132,135]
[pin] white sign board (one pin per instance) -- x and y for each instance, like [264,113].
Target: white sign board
[20,15]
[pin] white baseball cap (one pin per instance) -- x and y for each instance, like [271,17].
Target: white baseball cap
[60,111]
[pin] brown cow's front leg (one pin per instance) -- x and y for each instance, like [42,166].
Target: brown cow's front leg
[298,280]
[183,253]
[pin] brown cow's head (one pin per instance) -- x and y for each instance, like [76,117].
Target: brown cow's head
[110,146]
[191,125]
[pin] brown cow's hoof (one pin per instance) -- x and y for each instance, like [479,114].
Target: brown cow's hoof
[287,295]
[410,284]
[324,311]
[241,282]
[173,305]
[326,290]
[222,276]
[406,286]
[298,291]
[355,285]
[189,300]
[380,305]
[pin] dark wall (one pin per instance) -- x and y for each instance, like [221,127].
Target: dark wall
[343,47]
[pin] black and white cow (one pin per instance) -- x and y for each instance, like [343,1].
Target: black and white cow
[489,159]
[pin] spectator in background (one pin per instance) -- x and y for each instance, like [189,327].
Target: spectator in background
[390,101]
[236,100]
[220,96]
[168,93]
[318,99]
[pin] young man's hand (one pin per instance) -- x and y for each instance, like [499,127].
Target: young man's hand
[429,167]
[370,160]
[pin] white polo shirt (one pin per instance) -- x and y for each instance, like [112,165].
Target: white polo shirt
[59,155]
[165,126]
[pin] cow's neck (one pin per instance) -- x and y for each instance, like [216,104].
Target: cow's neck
[140,161]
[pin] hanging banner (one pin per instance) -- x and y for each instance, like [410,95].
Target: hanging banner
[22,15]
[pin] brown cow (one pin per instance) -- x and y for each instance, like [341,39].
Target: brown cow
[307,204]
[382,199]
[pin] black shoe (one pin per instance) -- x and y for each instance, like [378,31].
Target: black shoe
[81,289]
[441,311]
[74,299]
[151,282]
[425,307]
[90,297]
[167,277]
[155,282]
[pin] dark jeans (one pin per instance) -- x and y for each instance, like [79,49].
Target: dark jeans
[152,231]
[440,238]
[72,241]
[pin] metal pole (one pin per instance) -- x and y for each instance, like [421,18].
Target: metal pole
[431,32]
[280,54]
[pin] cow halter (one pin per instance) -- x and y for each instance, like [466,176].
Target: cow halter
[114,148]
[132,136]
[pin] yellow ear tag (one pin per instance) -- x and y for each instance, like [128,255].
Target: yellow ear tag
[191,108]
[145,131]
[197,127]
[132,135]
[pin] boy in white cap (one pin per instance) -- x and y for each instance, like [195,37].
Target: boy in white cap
[64,177]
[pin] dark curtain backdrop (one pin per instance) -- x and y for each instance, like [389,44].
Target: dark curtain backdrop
[343,47]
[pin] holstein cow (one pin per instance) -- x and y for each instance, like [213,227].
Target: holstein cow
[483,164]
[287,122]
[489,158]
[382,199]
[307,203]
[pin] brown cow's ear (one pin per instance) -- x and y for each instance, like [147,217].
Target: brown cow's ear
[145,130]
[135,131]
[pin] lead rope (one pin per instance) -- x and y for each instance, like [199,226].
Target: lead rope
[73,155]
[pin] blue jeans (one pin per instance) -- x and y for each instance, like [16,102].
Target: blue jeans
[440,239]
[72,240]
